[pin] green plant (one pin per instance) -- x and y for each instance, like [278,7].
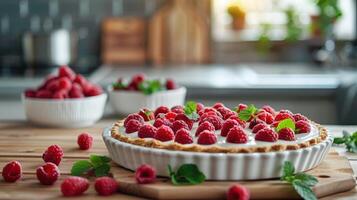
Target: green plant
[293,26]
[349,140]
[329,12]
[264,42]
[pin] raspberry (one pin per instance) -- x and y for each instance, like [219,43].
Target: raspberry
[53,154]
[255,122]
[207,137]
[60,94]
[161,109]
[269,109]
[177,109]
[215,120]
[147,131]
[199,107]
[51,84]
[185,119]
[242,123]
[210,113]
[12,171]
[65,71]
[170,116]
[30,93]
[204,126]
[105,186]
[133,126]
[164,133]
[170,84]
[227,125]
[238,192]
[224,111]
[267,135]
[146,114]
[302,126]
[183,137]
[80,80]
[64,84]
[85,141]
[286,134]
[283,115]
[145,174]
[92,90]
[136,80]
[179,124]
[48,173]
[74,186]
[266,117]
[241,107]
[237,135]
[133,116]
[275,124]
[76,91]
[229,114]
[258,127]
[298,117]
[44,94]
[162,121]
[218,105]
[286,111]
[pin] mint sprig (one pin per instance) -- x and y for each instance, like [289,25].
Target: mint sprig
[187,174]
[286,123]
[190,110]
[150,86]
[119,85]
[349,140]
[96,163]
[247,113]
[301,182]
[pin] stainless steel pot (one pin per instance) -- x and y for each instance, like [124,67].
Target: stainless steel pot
[58,47]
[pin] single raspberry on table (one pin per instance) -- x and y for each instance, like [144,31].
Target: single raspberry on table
[238,192]
[147,131]
[105,186]
[147,114]
[178,109]
[204,126]
[237,135]
[161,110]
[145,174]
[215,120]
[133,126]
[164,133]
[183,136]
[12,171]
[207,137]
[283,115]
[298,117]
[258,127]
[227,125]
[302,126]
[53,154]
[170,84]
[65,71]
[179,124]
[183,117]
[286,134]
[84,141]
[269,109]
[74,186]
[30,93]
[267,135]
[48,173]
[170,116]
[133,116]
[162,121]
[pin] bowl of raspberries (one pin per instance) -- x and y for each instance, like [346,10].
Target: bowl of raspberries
[127,96]
[66,100]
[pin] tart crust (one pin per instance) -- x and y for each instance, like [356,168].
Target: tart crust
[214,148]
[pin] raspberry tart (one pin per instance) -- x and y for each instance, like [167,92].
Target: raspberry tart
[244,143]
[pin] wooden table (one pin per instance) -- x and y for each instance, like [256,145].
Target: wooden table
[25,143]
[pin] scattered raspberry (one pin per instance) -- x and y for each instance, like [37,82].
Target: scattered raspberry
[65,71]
[145,174]
[207,137]
[302,126]
[146,114]
[84,141]
[179,124]
[53,154]
[147,131]
[170,116]
[255,122]
[237,135]
[48,173]
[218,105]
[238,192]
[133,116]
[105,186]
[170,84]
[12,171]
[258,127]
[204,126]
[227,125]
[74,186]
[215,120]
[44,94]
[30,93]
[283,115]
[266,117]
[164,133]
[199,107]
[60,94]
[298,117]
[287,134]
[183,136]
[269,109]
[161,109]
[133,126]
[178,109]
[162,121]
[267,135]
[241,107]
[185,119]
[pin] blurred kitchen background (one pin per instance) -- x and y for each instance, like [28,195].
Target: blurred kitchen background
[295,54]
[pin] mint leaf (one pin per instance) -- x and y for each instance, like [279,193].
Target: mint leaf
[81,167]
[286,123]
[150,86]
[102,170]
[190,110]
[303,190]
[307,179]
[187,174]
[339,140]
[119,86]
[288,169]
[247,113]
[97,160]
[349,140]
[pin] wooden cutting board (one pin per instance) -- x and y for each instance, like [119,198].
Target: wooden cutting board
[334,174]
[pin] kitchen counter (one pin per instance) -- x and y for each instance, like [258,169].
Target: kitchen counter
[25,143]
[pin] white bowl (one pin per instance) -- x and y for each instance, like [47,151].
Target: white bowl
[126,102]
[67,113]
[217,166]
